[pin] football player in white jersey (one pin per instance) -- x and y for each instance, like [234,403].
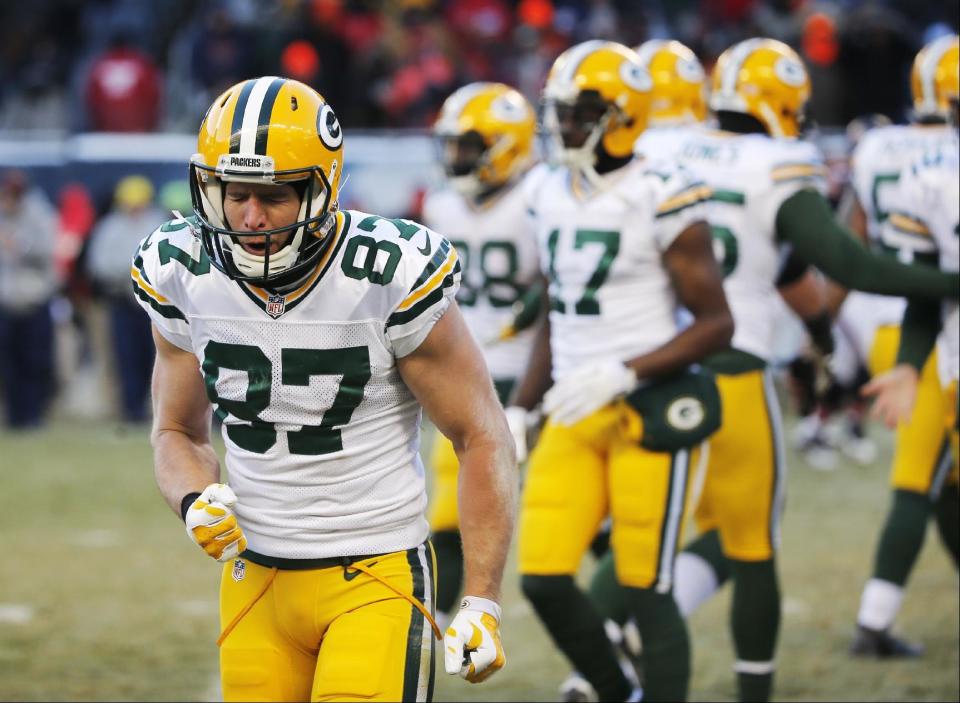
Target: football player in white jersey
[622,246]
[766,200]
[677,113]
[921,477]
[926,218]
[486,133]
[316,336]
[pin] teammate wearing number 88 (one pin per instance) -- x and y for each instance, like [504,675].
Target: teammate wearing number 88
[316,336]
[485,135]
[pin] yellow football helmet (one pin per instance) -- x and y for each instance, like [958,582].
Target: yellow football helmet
[679,83]
[486,132]
[935,77]
[763,78]
[600,89]
[273,131]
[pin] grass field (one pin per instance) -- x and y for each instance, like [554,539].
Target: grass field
[103,597]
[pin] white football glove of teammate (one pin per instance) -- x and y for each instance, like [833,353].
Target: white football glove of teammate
[586,389]
[212,524]
[471,645]
[517,420]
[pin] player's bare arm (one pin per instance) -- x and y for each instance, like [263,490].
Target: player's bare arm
[698,283]
[184,460]
[448,376]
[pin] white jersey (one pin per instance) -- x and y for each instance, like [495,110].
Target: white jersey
[751,175]
[658,144]
[925,217]
[610,296]
[321,433]
[876,163]
[498,255]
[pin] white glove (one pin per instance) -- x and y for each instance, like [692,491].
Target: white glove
[471,645]
[517,420]
[213,526]
[586,389]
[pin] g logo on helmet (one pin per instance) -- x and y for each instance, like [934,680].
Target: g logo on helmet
[507,108]
[790,72]
[328,128]
[685,413]
[636,77]
[690,71]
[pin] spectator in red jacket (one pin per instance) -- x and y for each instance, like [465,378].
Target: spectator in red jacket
[122,91]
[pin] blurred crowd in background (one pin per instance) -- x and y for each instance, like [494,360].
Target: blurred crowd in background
[155,65]
[68,324]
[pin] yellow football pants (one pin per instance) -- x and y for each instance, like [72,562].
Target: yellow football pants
[743,490]
[921,458]
[329,634]
[443,513]
[579,474]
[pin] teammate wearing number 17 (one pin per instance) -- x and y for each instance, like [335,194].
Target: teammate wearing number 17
[623,244]
[316,336]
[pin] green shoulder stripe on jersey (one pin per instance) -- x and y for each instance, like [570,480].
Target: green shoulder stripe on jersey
[411,313]
[728,196]
[436,262]
[138,263]
[168,311]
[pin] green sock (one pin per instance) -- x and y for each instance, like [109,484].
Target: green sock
[578,632]
[755,621]
[609,598]
[666,646]
[446,544]
[902,537]
[948,521]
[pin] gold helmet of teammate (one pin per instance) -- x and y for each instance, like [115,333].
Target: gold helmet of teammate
[763,78]
[268,131]
[486,132]
[679,83]
[935,77]
[597,96]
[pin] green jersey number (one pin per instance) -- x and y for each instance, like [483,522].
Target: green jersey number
[297,366]
[588,303]
[498,263]
[882,181]
[725,248]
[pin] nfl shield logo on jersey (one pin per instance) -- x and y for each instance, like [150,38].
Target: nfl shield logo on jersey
[239,569]
[276,304]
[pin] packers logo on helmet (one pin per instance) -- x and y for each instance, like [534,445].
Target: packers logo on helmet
[599,89]
[271,131]
[679,83]
[763,78]
[486,133]
[935,77]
